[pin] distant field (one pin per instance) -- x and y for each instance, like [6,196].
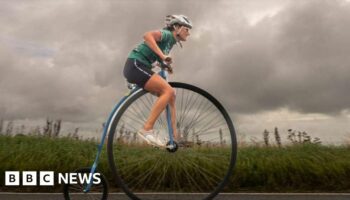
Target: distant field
[297,168]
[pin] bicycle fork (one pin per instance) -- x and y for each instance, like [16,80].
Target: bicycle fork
[170,127]
[164,74]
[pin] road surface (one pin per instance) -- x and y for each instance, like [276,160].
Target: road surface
[226,196]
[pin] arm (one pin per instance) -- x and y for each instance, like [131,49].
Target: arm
[151,38]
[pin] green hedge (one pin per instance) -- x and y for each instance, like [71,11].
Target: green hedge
[297,168]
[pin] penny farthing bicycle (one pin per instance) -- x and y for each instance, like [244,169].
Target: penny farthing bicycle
[201,162]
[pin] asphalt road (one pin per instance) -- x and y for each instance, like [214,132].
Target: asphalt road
[233,196]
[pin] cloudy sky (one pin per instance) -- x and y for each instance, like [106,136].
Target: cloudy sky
[271,63]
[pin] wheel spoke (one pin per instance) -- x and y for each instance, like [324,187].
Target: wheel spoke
[198,166]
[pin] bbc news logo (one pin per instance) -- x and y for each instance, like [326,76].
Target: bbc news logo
[47,178]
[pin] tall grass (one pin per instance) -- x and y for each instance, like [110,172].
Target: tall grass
[300,167]
[295,168]
[40,153]
[194,169]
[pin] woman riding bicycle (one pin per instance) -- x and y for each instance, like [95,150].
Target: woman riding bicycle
[138,70]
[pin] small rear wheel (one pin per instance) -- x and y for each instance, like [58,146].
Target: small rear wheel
[76,191]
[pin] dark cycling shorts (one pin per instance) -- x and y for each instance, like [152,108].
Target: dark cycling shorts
[137,72]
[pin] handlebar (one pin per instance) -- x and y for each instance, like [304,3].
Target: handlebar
[166,66]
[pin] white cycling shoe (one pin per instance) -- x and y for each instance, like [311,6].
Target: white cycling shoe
[150,138]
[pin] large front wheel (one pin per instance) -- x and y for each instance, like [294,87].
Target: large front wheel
[202,163]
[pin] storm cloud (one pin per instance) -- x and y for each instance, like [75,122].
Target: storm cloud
[64,59]
[297,59]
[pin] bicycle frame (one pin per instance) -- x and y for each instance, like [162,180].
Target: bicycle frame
[164,74]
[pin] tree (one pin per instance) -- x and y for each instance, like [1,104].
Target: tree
[266,137]
[48,128]
[57,128]
[9,128]
[1,125]
[278,137]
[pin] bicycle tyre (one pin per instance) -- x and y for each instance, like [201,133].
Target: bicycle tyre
[112,145]
[75,191]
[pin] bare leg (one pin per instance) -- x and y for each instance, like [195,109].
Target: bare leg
[156,84]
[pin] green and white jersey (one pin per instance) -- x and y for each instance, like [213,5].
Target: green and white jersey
[145,54]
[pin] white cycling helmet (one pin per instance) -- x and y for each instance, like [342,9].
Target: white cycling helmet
[182,20]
